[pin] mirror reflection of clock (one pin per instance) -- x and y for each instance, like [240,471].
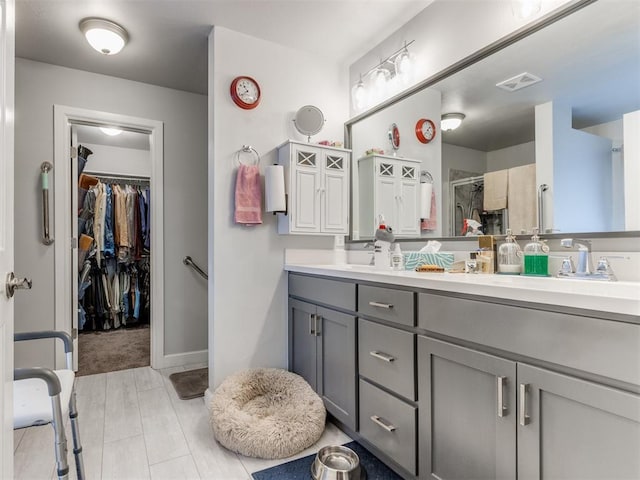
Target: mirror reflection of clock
[425,130]
[394,136]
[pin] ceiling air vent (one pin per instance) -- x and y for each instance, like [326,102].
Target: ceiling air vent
[519,81]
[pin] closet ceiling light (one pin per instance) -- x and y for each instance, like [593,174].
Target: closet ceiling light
[112,132]
[104,36]
[451,121]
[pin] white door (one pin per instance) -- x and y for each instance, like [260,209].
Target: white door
[306,190]
[408,201]
[386,196]
[335,194]
[6,234]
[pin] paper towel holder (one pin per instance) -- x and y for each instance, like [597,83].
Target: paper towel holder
[286,200]
[425,177]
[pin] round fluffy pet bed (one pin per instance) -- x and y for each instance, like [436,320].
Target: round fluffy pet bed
[266,413]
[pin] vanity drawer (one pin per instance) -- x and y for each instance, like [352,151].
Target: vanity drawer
[386,356]
[389,424]
[387,304]
[322,290]
[594,345]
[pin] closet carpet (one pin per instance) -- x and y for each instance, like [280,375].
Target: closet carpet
[101,352]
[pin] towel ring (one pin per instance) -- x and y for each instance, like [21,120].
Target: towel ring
[425,177]
[247,149]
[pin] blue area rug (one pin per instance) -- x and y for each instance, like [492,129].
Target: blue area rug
[300,469]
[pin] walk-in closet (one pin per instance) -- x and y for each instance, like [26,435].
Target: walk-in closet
[112,208]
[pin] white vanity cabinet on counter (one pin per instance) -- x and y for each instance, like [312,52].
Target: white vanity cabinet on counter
[389,186]
[317,186]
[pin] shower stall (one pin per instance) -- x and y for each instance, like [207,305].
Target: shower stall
[466,199]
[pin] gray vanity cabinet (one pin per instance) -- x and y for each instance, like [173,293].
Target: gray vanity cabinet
[467,424]
[571,428]
[322,346]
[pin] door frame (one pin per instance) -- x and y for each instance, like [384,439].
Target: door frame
[7,123]
[65,246]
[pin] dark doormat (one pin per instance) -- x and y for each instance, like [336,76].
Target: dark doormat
[300,469]
[190,384]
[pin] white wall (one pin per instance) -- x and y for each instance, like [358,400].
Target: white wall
[581,167]
[632,169]
[107,159]
[445,32]
[247,284]
[38,87]
[515,156]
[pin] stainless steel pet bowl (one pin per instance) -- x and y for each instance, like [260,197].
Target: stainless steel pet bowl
[337,463]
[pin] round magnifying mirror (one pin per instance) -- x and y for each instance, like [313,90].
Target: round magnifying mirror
[309,120]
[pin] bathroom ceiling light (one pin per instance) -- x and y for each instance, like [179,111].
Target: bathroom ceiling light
[112,132]
[104,36]
[358,95]
[451,121]
[525,8]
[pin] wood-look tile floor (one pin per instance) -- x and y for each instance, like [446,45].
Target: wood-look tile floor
[134,426]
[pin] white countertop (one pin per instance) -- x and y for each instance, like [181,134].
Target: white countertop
[614,297]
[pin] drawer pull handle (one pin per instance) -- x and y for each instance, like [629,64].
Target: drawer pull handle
[502,408]
[378,421]
[524,418]
[381,305]
[382,356]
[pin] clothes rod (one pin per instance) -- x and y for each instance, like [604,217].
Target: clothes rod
[121,179]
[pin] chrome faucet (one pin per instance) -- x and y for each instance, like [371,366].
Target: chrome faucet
[585,264]
[372,246]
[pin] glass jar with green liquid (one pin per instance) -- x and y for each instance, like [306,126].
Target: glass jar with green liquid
[536,257]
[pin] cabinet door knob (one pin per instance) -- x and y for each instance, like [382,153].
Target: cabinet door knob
[524,418]
[378,421]
[382,356]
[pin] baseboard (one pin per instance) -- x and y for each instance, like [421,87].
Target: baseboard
[182,359]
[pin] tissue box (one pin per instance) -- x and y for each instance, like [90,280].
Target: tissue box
[414,259]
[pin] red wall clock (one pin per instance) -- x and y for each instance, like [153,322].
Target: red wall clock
[245,92]
[425,130]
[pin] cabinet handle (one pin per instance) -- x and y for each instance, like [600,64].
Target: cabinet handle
[312,324]
[381,305]
[318,324]
[524,418]
[382,356]
[378,421]
[502,408]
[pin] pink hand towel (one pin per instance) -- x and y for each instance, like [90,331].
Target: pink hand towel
[248,195]
[431,222]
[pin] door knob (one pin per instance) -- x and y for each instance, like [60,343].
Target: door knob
[14,284]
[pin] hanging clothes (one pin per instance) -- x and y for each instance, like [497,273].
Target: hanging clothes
[114,283]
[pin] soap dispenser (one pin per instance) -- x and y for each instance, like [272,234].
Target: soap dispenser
[536,257]
[510,256]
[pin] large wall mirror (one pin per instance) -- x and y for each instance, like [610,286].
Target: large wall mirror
[563,144]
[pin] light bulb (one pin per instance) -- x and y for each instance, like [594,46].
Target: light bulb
[403,63]
[112,132]
[358,95]
[525,8]
[104,36]
[451,121]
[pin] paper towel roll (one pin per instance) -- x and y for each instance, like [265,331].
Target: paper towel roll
[274,200]
[425,200]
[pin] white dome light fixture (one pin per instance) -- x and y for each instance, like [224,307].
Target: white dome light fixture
[451,121]
[103,35]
